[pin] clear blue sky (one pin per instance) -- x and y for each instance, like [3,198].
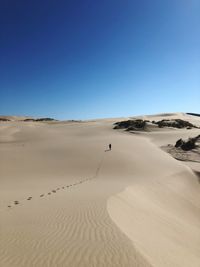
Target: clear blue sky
[75,59]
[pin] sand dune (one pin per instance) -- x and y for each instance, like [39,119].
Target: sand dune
[160,213]
[66,201]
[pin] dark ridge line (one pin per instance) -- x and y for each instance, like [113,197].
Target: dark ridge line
[193,114]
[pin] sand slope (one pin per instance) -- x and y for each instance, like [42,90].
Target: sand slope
[160,212]
[79,205]
[55,172]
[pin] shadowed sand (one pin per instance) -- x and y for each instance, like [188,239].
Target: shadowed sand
[132,206]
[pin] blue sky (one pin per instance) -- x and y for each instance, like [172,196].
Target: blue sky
[91,59]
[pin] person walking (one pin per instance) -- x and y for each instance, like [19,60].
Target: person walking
[110,146]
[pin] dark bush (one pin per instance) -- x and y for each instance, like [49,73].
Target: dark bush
[4,119]
[177,123]
[45,119]
[131,125]
[179,143]
[187,145]
[40,119]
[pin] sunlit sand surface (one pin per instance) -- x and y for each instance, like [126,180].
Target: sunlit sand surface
[66,200]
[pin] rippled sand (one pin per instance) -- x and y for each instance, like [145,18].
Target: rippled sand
[67,201]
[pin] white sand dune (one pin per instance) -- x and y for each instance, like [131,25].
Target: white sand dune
[79,205]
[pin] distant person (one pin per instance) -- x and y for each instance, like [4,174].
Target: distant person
[110,146]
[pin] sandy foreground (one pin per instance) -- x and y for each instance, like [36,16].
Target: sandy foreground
[67,201]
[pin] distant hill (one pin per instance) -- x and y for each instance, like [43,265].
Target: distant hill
[40,119]
[26,119]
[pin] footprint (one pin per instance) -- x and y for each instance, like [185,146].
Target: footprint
[54,191]
[63,187]
[29,198]
[41,195]
[16,202]
[9,206]
[49,193]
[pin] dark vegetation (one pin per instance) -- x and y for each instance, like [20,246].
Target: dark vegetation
[131,125]
[138,124]
[190,144]
[4,119]
[40,119]
[177,123]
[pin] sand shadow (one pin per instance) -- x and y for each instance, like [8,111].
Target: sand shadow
[189,160]
[198,175]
